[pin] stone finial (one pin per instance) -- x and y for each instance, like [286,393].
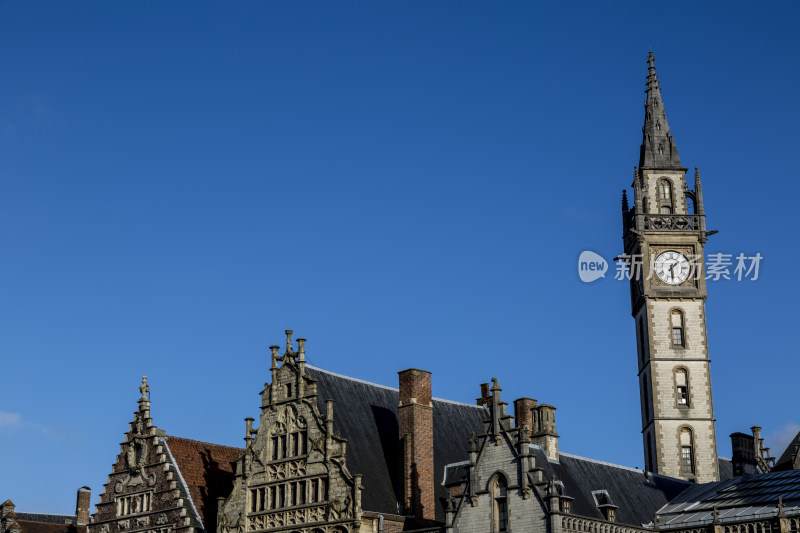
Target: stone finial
[495,386]
[301,349]
[624,201]
[781,510]
[144,388]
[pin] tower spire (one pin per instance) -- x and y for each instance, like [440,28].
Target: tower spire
[658,146]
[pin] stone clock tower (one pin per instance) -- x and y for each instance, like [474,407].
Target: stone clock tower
[664,234]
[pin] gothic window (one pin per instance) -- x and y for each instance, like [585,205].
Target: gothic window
[288,390]
[258,499]
[646,396]
[665,197]
[650,453]
[499,492]
[678,333]
[682,387]
[687,451]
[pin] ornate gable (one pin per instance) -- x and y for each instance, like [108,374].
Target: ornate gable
[145,492]
[293,473]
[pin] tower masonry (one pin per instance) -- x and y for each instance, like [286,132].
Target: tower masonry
[664,233]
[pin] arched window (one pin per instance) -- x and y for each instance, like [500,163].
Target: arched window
[665,197]
[687,451]
[678,333]
[499,492]
[682,387]
[646,395]
[650,454]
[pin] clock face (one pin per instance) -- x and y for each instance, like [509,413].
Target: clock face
[672,268]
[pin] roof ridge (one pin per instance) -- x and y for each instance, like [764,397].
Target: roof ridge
[386,386]
[204,442]
[629,468]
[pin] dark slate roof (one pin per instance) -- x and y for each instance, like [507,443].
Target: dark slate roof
[637,496]
[366,414]
[725,468]
[208,470]
[735,499]
[786,460]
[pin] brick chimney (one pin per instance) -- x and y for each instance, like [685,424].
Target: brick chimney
[523,413]
[486,395]
[415,420]
[83,504]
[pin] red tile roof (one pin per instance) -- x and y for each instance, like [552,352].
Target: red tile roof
[31,526]
[208,470]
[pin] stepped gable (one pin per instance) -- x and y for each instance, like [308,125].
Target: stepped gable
[366,414]
[208,471]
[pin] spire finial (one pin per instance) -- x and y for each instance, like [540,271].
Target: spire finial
[652,77]
[144,388]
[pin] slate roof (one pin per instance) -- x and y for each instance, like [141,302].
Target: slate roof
[366,414]
[208,471]
[739,499]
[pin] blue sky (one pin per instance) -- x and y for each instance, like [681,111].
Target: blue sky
[405,184]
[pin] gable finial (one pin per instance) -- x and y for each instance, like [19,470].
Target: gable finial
[144,388]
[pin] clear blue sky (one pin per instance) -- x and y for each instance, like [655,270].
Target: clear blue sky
[405,184]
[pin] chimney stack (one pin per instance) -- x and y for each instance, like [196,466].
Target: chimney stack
[743,454]
[523,413]
[543,430]
[415,418]
[83,504]
[486,395]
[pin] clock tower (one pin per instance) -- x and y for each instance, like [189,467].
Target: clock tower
[664,234]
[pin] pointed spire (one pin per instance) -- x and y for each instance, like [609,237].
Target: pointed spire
[658,146]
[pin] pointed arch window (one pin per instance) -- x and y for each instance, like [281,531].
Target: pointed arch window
[665,197]
[687,451]
[682,387]
[499,492]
